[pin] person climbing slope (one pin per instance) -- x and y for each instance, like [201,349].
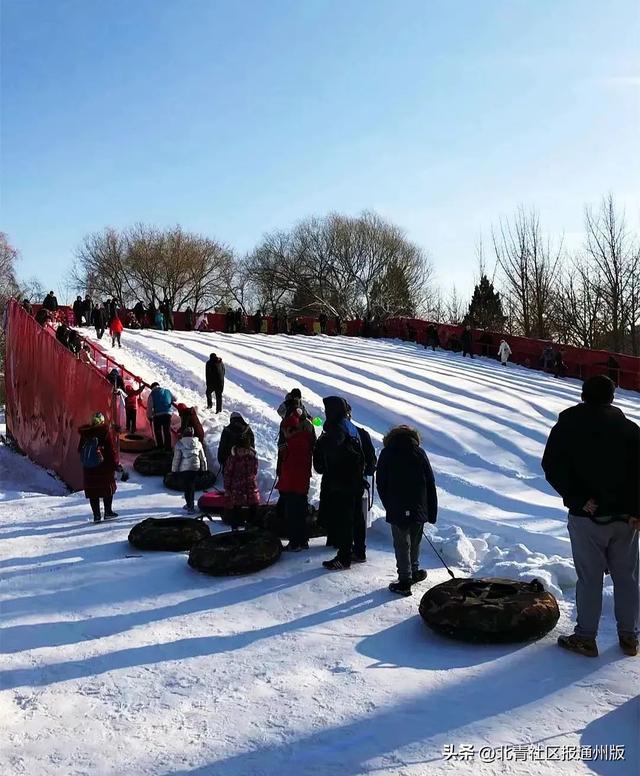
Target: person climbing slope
[159,412]
[504,351]
[99,464]
[214,378]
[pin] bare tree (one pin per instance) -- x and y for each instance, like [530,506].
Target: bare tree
[614,253]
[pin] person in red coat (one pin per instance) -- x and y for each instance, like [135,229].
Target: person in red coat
[115,329]
[99,465]
[241,490]
[295,474]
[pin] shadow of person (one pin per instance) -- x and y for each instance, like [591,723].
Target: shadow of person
[619,728]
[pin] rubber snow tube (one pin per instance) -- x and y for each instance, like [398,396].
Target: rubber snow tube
[235,552]
[171,534]
[135,443]
[174,481]
[490,611]
[272,518]
[154,463]
[212,502]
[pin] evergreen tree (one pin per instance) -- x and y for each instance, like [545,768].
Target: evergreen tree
[485,308]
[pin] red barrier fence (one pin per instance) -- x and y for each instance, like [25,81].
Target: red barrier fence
[50,394]
[580,362]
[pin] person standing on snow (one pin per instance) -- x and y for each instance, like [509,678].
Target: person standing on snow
[504,351]
[408,493]
[359,548]
[214,378]
[115,330]
[466,338]
[291,402]
[50,302]
[99,320]
[87,310]
[140,313]
[339,458]
[240,482]
[77,311]
[189,459]
[131,406]
[592,460]
[99,465]
[189,419]
[295,457]
[238,432]
[159,412]
[548,358]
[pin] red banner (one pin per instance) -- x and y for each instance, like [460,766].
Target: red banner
[50,394]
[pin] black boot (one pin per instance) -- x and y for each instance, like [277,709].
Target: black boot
[402,586]
[419,575]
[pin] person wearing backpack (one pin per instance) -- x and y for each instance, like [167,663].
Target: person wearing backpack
[99,465]
[359,549]
[189,459]
[159,412]
[408,493]
[339,458]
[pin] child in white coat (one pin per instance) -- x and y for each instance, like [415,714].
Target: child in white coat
[504,351]
[189,459]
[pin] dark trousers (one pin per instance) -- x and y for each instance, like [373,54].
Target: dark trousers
[341,509]
[218,395]
[189,479]
[467,352]
[116,338]
[99,331]
[95,506]
[131,420]
[233,516]
[162,431]
[359,530]
[295,515]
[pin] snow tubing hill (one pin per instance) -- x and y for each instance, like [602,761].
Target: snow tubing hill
[175,481]
[171,534]
[235,552]
[490,610]
[154,463]
[135,443]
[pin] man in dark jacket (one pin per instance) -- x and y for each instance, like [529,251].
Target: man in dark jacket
[466,339]
[592,459]
[239,320]
[257,322]
[322,320]
[140,313]
[87,310]
[237,432]
[408,492]
[27,306]
[189,319]
[229,321]
[359,549]
[50,302]
[99,320]
[77,311]
[339,458]
[431,340]
[214,375]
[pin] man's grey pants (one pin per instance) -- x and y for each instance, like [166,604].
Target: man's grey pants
[596,548]
[406,543]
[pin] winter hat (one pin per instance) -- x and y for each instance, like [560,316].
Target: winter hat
[97,419]
[188,432]
[295,393]
[335,408]
[181,407]
[236,416]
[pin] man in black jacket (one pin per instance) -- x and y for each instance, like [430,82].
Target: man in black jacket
[87,310]
[99,320]
[237,431]
[214,375]
[407,490]
[339,458]
[140,313]
[50,302]
[77,311]
[359,550]
[592,459]
[466,338]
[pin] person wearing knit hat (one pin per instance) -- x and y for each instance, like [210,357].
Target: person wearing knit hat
[295,458]
[238,431]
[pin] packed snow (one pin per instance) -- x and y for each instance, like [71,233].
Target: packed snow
[118,661]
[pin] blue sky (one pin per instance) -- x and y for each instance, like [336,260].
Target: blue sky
[238,117]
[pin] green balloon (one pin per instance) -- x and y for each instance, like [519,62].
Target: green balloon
[317,421]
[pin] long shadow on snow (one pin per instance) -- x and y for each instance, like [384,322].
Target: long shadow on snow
[44,675]
[620,727]
[514,681]
[56,634]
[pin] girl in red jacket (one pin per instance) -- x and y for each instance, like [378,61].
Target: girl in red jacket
[115,329]
[295,475]
[241,490]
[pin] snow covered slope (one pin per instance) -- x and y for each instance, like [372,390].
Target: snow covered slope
[121,662]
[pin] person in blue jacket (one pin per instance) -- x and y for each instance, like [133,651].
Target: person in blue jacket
[159,412]
[407,490]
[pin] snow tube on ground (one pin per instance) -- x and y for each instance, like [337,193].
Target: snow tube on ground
[235,552]
[271,518]
[212,502]
[174,481]
[154,463]
[490,610]
[135,443]
[173,534]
